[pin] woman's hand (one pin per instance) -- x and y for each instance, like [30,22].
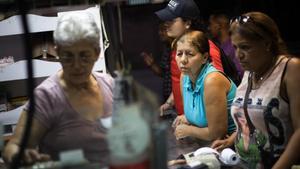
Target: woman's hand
[32,155]
[182,127]
[164,107]
[221,144]
[182,131]
[180,120]
[148,58]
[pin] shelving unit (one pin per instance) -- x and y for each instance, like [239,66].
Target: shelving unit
[13,25]
[13,76]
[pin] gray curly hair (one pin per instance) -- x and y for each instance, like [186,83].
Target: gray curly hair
[73,27]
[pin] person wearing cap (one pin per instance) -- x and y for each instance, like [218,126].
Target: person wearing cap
[180,16]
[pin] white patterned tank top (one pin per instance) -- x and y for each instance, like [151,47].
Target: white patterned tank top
[270,116]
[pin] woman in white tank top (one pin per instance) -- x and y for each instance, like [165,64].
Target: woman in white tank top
[266,108]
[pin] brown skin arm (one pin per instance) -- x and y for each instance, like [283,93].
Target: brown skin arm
[150,62]
[292,82]
[194,131]
[215,91]
[156,69]
[31,154]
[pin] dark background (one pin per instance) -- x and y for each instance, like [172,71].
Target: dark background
[140,27]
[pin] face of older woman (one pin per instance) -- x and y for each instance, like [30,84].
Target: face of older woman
[253,55]
[189,59]
[77,61]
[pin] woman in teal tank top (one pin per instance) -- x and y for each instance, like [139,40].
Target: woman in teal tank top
[207,93]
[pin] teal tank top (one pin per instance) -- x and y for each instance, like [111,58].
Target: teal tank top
[193,99]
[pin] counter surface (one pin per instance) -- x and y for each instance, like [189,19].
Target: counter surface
[183,146]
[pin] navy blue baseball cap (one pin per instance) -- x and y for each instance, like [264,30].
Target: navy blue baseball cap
[179,8]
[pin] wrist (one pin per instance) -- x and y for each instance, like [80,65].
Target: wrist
[230,141]
[10,153]
[151,64]
[170,103]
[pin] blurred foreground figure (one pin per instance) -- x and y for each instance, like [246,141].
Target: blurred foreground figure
[69,104]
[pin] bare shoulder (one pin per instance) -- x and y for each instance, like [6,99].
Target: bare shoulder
[293,69]
[294,63]
[217,79]
[292,78]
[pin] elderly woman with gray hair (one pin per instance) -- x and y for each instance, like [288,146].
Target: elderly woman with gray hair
[69,103]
